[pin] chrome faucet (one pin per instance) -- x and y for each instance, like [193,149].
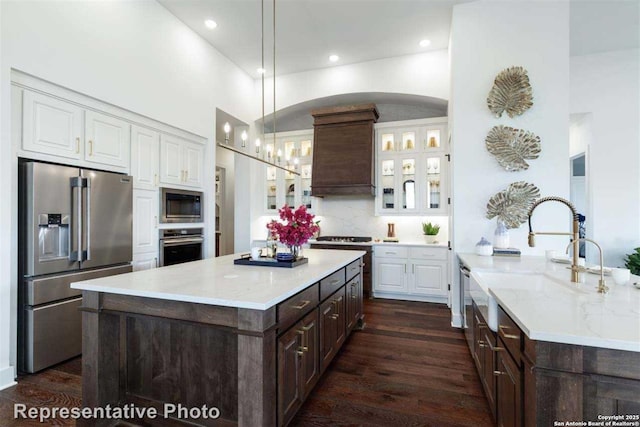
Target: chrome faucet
[575,234]
[602,286]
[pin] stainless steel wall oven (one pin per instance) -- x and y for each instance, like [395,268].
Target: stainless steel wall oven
[180,245]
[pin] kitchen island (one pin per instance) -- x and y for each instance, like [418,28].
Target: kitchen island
[551,351]
[249,341]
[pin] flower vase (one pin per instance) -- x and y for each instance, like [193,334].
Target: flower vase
[296,251]
[501,236]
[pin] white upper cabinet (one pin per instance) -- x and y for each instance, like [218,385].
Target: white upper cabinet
[412,168]
[108,140]
[145,162]
[193,164]
[181,161]
[51,126]
[171,162]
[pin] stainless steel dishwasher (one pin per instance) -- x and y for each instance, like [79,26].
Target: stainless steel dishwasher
[465,303]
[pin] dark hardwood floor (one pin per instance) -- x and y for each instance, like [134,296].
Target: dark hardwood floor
[408,367]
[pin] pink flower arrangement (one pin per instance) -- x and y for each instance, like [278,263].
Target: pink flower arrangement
[297,229]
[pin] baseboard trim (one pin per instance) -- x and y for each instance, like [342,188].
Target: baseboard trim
[7,377]
[456,320]
[434,299]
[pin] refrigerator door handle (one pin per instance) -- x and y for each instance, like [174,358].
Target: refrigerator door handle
[87,234]
[75,254]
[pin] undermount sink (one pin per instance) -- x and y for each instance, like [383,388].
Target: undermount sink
[482,282]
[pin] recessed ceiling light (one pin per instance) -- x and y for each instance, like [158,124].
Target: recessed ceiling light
[425,43]
[261,70]
[210,23]
[334,58]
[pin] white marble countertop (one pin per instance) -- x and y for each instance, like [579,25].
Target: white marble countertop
[541,299]
[217,281]
[381,243]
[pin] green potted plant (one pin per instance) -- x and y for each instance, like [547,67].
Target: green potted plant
[632,262]
[430,232]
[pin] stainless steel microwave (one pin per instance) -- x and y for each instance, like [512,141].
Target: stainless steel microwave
[181,206]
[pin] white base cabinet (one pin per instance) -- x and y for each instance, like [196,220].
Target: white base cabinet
[144,261]
[417,273]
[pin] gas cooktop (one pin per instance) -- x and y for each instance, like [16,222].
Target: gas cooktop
[344,239]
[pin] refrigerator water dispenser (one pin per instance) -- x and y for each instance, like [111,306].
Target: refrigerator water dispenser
[53,236]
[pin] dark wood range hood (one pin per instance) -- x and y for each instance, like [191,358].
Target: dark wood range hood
[343,152]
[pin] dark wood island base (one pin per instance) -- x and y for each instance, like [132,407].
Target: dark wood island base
[255,366]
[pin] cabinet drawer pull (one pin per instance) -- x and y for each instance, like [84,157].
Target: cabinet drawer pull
[495,349]
[390,253]
[335,316]
[498,373]
[304,349]
[335,281]
[155,179]
[502,329]
[77,145]
[481,344]
[300,353]
[90,147]
[303,305]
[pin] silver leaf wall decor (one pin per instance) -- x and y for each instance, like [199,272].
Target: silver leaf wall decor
[511,92]
[512,204]
[512,147]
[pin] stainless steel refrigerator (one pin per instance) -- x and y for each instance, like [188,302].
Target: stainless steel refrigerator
[74,224]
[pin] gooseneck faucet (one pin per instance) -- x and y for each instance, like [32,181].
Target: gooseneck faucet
[575,234]
[602,286]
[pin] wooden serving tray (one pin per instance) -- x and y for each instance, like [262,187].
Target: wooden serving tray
[270,262]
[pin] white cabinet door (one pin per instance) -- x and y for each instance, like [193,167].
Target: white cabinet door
[108,140]
[390,275]
[428,278]
[145,221]
[193,164]
[51,126]
[145,163]
[171,162]
[144,261]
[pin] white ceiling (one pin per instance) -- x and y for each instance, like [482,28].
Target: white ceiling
[308,31]
[600,26]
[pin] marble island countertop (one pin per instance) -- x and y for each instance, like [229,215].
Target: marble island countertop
[547,306]
[217,281]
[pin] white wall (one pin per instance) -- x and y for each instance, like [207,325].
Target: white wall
[133,54]
[607,86]
[423,74]
[486,38]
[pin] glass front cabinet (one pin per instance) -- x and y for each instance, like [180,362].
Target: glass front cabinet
[293,151]
[411,168]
